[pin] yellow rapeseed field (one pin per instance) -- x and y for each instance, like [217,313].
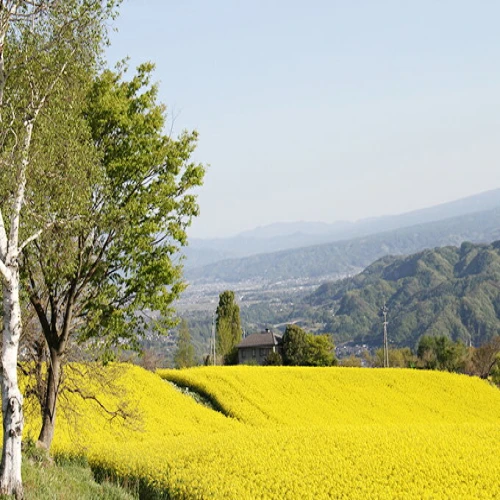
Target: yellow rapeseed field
[296,433]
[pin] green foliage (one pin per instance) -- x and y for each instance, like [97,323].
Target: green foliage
[495,374]
[231,358]
[273,359]
[228,327]
[398,358]
[320,351]
[184,356]
[447,291]
[146,205]
[306,349]
[49,60]
[295,346]
[121,257]
[351,361]
[441,353]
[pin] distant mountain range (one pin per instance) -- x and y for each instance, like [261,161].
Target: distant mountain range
[350,256]
[291,235]
[446,291]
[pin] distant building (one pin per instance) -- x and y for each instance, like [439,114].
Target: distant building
[255,348]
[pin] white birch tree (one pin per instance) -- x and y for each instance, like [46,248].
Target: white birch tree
[39,43]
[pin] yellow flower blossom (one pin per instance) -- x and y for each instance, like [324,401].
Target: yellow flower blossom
[298,433]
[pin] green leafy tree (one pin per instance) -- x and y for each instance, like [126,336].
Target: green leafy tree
[228,327]
[44,46]
[95,281]
[273,359]
[495,373]
[320,351]
[441,353]
[295,346]
[426,352]
[306,349]
[184,356]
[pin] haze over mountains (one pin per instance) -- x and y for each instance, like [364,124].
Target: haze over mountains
[300,250]
[289,235]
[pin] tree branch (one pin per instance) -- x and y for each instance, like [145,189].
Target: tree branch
[34,236]
[3,237]
[18,203]
[67,317]
[4,270]
[119,412]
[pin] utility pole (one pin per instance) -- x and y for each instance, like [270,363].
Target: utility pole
[384,312]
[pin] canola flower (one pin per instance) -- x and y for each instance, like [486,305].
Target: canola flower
[299,433]
[325,396]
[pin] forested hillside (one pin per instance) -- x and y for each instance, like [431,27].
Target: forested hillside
[347,257]
[287,235]
[446,291]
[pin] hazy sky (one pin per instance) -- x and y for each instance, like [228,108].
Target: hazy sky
[325,110]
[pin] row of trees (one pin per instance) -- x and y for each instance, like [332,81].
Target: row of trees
[440,353]
[306,349]
[94,202]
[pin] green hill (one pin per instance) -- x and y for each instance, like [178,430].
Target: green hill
[349,256]
[445,291]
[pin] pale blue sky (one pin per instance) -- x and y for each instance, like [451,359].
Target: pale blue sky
[325,110]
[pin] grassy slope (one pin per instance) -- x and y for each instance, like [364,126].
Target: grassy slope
[48,481]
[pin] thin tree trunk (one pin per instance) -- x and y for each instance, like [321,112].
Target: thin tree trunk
[2,67]
[12,400]
[50,402]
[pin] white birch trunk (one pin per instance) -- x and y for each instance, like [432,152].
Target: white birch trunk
[12,400]
[2,68]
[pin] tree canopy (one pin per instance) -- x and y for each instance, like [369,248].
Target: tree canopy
[111,277]
[306,349]
[184,356]
[228,327]
[441,353]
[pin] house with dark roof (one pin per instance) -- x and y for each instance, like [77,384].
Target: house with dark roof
[255,348]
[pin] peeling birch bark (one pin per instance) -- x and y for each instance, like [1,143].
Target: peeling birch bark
[12,400]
